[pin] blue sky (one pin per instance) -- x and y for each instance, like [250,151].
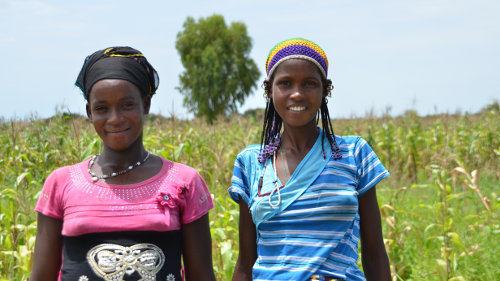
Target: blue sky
[428,55]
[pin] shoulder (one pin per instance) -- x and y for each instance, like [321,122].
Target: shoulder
[348,140]
[353,147]
[63,174]
[60,173]
[248,158]
[252,149]
[179,171]
[349,143]
[54,188]
[250,152]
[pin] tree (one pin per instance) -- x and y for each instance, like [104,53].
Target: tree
[218,72]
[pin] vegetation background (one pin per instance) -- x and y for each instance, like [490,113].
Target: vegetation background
[440,207]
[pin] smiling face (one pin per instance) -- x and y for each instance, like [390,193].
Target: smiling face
[297,92]
[117,110]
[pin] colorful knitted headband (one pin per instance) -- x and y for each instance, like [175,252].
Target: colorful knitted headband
[296,48]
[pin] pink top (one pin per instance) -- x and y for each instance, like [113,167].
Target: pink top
[176,195]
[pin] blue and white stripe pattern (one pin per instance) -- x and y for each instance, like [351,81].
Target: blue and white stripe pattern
[319,232]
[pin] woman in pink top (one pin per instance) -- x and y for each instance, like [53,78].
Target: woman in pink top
[124,214]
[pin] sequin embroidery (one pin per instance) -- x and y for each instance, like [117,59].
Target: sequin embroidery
[112,262]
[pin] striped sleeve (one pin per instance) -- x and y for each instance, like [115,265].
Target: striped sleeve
[369,168]
[239,188]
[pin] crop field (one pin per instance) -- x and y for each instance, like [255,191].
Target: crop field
[440,207]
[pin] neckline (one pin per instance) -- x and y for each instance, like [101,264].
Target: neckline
[166,165]
[317,142]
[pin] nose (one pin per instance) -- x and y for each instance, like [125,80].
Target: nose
[114,116]
[297,93]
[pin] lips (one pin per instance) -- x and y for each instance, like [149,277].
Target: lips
[297,108]
[116,131]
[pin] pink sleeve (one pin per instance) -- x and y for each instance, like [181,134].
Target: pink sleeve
[50,200]
[198,200]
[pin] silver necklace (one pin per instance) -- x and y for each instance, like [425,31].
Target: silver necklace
[96,177]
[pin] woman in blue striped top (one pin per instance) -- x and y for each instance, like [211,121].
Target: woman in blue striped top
[306,195]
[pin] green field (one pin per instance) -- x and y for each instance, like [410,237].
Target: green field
[440,206]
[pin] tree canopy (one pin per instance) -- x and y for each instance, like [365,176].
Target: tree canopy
[218,71]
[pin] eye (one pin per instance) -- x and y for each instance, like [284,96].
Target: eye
[311,84]
[100,109]
[129,105]
[284,83]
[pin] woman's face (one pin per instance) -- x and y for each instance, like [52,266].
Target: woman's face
[297,92]
[116,109]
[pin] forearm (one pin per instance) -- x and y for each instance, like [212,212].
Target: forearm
[197,250]
[242,270]
[373,254]
[376,266]
[247,246]
[43,276]
[48,246]
[46,267]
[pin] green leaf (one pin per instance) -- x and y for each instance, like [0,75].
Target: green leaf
[455,239]
[21,178]
[442,269]
[178,151]
[457,278]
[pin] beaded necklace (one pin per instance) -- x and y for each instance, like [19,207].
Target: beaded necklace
[96,177]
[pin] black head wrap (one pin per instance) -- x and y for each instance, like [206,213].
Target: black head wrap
[118,63]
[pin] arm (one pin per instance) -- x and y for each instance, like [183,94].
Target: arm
[197,250]
[48,247]
[373,255]
[248,246]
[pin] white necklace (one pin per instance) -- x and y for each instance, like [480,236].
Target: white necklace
[96,177]
[277,188]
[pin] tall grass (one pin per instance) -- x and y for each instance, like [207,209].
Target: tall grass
[439,207]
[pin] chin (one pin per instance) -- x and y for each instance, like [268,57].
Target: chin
[299,123]
[118,148]
[119,145]
[119,141]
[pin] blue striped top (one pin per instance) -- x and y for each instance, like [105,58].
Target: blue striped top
[319,232]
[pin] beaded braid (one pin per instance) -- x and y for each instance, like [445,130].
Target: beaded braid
[326,123]
[270,139]
[271,132]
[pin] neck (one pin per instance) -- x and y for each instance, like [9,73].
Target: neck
[299,139]
[113,159]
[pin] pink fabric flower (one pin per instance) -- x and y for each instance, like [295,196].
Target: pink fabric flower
[181,191]
[165,199]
